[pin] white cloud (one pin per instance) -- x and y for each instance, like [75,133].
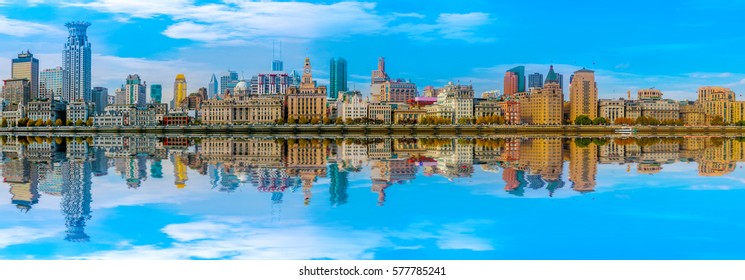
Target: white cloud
[236,238]
[20,28]
[23,235]
[241,20]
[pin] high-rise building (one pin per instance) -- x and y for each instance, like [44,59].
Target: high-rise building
[76,82]
[50,83]
[213,87]
[338,78]
[100,99]
[514,80]
[27,67]
[17,91]
[228,80]
[156,93]
[535,80]
[270,83]
[277,64]
[307,101]
[561,80]
[583,95]
[136,91]
[179,90]
[384,89]
[120,96]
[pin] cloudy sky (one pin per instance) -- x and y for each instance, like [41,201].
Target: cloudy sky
[674,47]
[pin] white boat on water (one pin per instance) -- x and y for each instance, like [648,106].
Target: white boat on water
[626,130]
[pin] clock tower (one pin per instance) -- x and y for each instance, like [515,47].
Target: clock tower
[307,81]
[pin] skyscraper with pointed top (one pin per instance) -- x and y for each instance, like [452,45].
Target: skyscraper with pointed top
[76,81]
[213,88]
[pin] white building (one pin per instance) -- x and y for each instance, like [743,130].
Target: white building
[459,98]
[351,105]
[110,119]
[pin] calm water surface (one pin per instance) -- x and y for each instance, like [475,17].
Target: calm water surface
[242,198]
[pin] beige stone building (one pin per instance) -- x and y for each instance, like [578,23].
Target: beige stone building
[382,112]
[583,95]
[242,108]
[611,109]
[544,105]
[308,100]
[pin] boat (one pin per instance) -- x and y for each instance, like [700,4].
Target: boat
[626,130]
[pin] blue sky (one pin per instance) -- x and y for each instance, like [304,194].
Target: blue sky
[632,44]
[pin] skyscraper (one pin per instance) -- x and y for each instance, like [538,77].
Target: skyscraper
[50,83]
[17,91]
[76,82]
[277,64]
[338,78]
[514,80]
[156,93]
[561,80]
[179,90]
[228,80]
[583,95]
[27,67]
[136,91]
[535,80]
[100,99]
[213,87]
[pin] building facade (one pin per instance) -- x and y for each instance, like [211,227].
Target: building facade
[50,83]
[338,77]
[179,90]
[213,88]
[612,109]
[272,83]
[100,97]
[583,95]
[17,91]
[228,80]
[459,98]
[45,110]
[535,80]
[544,105]
[76,81]
[307,101]
[79,110]
[156,93]
[351,105]
[25,66]
[135,90]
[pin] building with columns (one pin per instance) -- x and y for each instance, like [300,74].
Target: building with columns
[308,100]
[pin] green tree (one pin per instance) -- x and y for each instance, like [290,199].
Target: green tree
[30,123]
[582,142]
[339,120]
[717,120]
[740,123]
[3,122]
[582,120]
[599,121]
[39,122]
[314,121]
[303,120]
[48,122]
[58,122]
[89,122]
[291,120]
[326,120]
[280,121]
[79,123]
[68,123]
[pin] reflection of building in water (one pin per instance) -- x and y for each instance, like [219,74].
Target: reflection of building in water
[385,173]
[136,171]
[76,199]
[454,157]
[542,157]
[307,159]
[156,169]
[720,157]
[179,171]
[352,156]
[380,149]
[100,162]
[583,167]
[338,185]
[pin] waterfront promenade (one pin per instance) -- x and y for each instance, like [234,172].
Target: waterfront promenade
[383,130]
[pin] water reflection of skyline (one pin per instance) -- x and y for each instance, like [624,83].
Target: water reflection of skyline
[34,167]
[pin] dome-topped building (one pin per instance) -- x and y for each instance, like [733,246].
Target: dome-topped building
[242,88]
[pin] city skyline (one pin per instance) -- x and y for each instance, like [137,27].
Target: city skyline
[643,62]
